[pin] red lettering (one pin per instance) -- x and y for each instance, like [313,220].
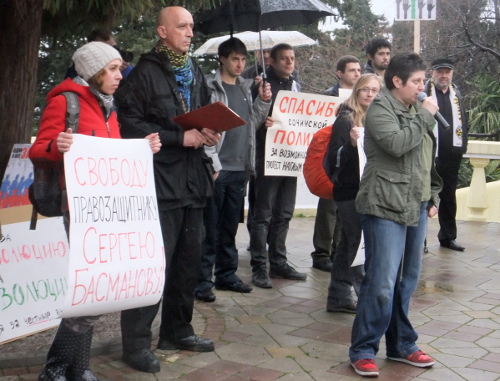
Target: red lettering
[300,108]
[143,273]
[90,291]
[102,170]
[330,109]
[131,238]
[276,136]
[98,287]
[293,103]
[115,176]
[77,287]
[93,176]
[89,230]
[308,110]
[125,166]
[135,182]
[76,171]
[320,108]
[282,105]
[113,285]
[102,246]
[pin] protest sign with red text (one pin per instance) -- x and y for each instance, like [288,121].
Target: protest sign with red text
[33,282]
[117,258]
[297,117]
[33,263]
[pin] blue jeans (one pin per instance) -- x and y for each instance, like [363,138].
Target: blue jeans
[221,219]
[393,262]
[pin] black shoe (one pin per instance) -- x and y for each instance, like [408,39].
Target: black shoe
[236,287]
[205,296]
[452,245]
[323,265]
[143,360]
[191,343]
[286,272]
[261,279]
[349,308]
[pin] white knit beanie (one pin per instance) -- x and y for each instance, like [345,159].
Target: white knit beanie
[92,57]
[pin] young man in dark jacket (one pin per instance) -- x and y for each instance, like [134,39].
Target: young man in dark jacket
[274,195]
[164,84]
[234,162]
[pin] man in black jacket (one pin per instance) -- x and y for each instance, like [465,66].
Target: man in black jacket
[274,195]
[452,144]
[164,84]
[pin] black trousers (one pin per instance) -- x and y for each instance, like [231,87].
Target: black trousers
[221,219]
[343,276]
[182,231]
[447,167]
[327,229]
[273,209]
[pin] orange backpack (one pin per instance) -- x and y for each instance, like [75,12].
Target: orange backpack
[317,180]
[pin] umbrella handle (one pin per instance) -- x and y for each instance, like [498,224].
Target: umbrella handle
[262,57]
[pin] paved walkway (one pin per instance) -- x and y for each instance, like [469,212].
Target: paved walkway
[285,333]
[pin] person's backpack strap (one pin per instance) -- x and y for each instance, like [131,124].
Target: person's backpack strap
[72,118]
[72,110]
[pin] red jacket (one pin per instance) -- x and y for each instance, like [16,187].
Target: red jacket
[91,122]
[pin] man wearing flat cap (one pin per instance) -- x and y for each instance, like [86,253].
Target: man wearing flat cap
[452,144]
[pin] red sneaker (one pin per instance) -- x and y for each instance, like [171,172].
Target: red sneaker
[418,358]
[365,367]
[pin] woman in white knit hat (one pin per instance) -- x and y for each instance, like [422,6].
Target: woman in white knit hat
[98,68]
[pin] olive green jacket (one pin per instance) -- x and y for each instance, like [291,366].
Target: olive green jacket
[391,185]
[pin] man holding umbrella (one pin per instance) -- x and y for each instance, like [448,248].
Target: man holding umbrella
[274,195]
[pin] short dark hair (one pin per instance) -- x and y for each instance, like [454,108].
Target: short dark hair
[403,65]
[344,60]
[102,35]
[232,45]
[278,48]
[375,44]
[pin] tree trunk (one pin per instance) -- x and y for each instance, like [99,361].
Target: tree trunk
[20,28]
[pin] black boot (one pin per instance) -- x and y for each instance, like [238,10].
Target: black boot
[80,368]
[68,357]
[59,356]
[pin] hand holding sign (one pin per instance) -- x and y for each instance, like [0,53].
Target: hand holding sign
[117,260]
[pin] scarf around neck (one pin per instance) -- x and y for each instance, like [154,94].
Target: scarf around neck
[182,71]
[105,100]
[456,112]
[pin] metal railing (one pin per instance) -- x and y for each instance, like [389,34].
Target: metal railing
[495,136]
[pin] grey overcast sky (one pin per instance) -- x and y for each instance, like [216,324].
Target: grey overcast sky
[379,7]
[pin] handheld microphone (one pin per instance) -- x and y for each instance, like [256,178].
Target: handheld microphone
[439,118]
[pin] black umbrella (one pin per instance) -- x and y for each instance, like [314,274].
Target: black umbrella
[255,15]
